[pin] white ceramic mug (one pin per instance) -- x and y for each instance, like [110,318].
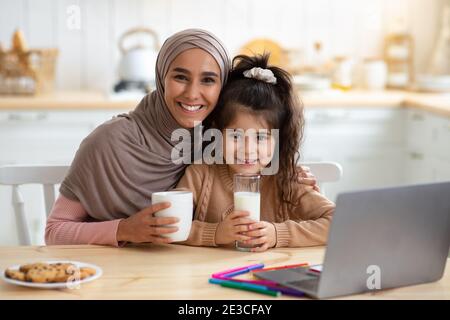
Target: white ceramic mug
[181,207]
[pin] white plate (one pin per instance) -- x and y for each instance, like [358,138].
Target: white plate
[59,285]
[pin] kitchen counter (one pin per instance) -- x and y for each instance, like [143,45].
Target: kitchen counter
[354,98]
[85,100]
[82,100]
[435,103]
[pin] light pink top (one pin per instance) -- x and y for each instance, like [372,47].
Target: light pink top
[69,223]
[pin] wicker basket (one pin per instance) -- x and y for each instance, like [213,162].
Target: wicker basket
[27,72]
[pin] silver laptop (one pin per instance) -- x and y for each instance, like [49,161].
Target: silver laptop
[379,239]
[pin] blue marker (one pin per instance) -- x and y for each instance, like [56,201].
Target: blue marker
[246,270]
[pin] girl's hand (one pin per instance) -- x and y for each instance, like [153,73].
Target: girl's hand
[144,227]
[306,177]
[263,236]
[230,229]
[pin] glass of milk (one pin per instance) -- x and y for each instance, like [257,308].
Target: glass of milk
[247,198]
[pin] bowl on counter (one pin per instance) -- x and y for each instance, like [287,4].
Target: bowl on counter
[311,82]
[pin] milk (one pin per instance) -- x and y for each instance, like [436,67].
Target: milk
[248,201]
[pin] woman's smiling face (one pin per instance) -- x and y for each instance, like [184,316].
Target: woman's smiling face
[192,86]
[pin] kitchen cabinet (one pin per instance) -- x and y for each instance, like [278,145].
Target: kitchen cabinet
[442,138]
[441,170]
[427,147]
[45,136]
[379,147]
[367,142]
[39,137]
[419,148]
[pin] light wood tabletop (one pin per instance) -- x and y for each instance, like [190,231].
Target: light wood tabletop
[176,272]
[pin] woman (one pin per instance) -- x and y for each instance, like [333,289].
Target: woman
[106,196]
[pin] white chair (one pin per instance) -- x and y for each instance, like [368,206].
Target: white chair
[324,172]
[47,176]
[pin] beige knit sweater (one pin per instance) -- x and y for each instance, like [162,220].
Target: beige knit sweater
[212,188]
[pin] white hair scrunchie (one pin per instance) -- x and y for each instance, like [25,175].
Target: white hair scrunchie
[258,73]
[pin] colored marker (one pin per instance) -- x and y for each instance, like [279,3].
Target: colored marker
[283,290]
[250,267]
[239,272]
[261,282]
[215,281]
[281,267]
[250,287]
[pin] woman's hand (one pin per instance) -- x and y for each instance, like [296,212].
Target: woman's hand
[230,229]
[263,236]
[306,177]
[144,227]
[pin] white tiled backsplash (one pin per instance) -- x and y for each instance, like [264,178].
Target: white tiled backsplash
[89,55]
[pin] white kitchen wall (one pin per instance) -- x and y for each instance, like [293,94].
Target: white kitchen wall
[89,55]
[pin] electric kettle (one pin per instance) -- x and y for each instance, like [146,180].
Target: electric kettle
[137,65]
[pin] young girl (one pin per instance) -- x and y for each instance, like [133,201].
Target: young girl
[257,97]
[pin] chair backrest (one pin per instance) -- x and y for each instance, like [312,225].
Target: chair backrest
[325,172]
[16,175]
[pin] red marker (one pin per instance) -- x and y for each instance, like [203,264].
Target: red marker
[281,267]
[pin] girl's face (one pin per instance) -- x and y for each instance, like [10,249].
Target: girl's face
[248,143]
[192,86]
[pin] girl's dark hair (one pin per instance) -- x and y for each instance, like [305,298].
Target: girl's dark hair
[276,103]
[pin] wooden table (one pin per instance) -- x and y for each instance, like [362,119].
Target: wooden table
[176,272]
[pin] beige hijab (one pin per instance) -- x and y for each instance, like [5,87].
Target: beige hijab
[123,161]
